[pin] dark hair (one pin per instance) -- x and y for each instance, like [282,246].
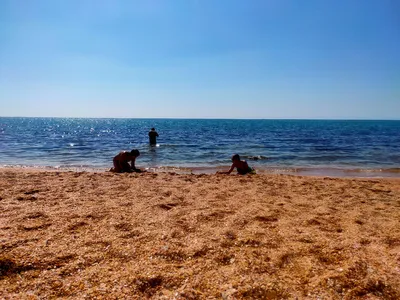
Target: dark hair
[153,128]
[135,152]
[235,157]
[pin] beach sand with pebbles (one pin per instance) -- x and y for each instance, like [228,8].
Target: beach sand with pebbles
[180,236]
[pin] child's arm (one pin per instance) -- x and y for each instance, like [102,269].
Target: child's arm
[133,163]
[133,167]
[230,170]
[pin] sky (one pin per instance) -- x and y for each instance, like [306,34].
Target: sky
[331,59]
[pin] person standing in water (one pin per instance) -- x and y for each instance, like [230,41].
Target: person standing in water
[153,137]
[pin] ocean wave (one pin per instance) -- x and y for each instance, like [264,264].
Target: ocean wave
[255,157]
[74,143]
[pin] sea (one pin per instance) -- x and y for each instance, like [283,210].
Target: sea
[343,148]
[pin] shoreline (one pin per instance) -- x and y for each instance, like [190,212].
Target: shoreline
[333,172]
[167,235]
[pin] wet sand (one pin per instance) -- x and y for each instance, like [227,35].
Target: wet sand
[182,236]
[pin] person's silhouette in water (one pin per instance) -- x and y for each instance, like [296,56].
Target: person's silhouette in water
[153,137]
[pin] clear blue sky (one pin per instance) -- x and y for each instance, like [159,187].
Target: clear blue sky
[200,58]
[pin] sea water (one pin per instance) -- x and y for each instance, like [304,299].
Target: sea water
[320,147]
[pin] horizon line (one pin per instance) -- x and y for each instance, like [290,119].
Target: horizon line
[207,118]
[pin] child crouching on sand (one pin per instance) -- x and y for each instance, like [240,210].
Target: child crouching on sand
[241,166]
[121,162]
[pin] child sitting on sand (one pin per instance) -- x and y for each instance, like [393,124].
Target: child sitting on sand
[241,166]
[121,162]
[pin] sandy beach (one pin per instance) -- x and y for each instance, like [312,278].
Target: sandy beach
[180,236]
